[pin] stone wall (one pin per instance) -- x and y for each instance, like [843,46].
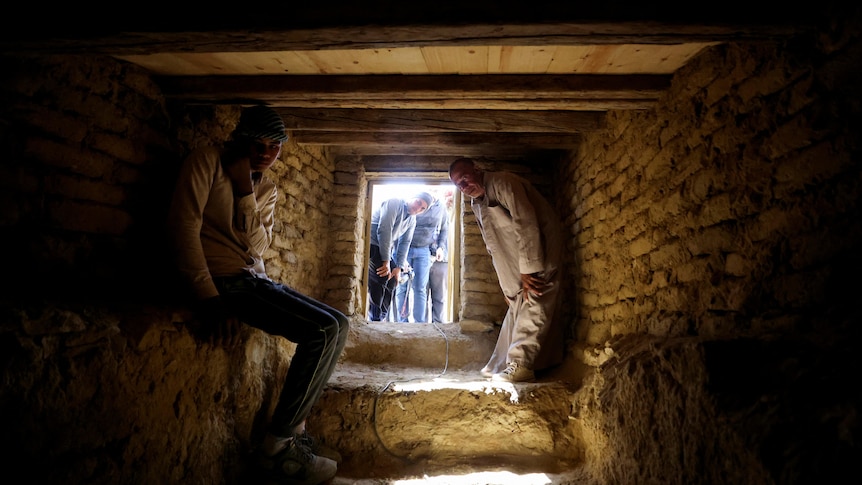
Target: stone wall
[102,379]
[728,210]
[125,394]
[86,171]
[349,254]
[716,248]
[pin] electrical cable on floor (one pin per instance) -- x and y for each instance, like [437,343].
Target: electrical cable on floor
[384,388]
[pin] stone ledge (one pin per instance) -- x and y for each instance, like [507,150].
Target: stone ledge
[390,420]
[420,345]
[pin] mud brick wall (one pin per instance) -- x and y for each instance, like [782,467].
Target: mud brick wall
[716,245]
[732,208]
[91,154]
[347,226]
[298,255]
[85,173]
[102,379]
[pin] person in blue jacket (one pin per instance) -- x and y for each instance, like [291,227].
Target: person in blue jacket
[392,226]
[429,244]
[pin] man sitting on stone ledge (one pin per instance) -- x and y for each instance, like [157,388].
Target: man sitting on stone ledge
[221,221]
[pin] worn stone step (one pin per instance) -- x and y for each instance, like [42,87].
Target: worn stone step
[466,345]
[390,420]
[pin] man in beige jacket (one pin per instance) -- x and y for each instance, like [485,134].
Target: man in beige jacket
[522,234]
[221,222]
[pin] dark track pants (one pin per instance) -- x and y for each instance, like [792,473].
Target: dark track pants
[380,289]
[318,330]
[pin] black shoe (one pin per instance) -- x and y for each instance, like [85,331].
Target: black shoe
[295,464]
[318,447]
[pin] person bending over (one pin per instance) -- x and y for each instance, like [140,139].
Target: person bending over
[392,226]
[523,235]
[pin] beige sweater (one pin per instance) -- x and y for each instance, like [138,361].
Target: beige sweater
[215,234]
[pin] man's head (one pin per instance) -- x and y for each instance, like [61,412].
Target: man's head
[263,131]
[260,122]
[469,180]
[419,203]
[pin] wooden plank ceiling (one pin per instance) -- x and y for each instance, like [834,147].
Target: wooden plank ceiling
[421,79]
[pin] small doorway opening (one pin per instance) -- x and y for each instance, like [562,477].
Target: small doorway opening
[404,298]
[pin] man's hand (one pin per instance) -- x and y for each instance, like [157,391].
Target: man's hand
[533,284]
[220,326]
[439,255]
[239,172]
[383,270]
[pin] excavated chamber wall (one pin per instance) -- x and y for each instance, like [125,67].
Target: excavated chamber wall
[716,247]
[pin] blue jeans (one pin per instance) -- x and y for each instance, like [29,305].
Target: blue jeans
[420,261]
[437,285]
[318,330]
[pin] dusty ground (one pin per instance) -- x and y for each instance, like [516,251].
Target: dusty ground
[438,420]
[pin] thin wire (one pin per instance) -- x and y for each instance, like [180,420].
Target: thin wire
[384,388]
[388,294]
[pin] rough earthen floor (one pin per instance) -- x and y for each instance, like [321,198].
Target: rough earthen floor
[440,421]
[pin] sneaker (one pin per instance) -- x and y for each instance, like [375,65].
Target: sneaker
[486,372]
[318,447]
[295,464]
[514,372]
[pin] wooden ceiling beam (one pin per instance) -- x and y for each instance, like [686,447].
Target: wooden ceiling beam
[431,140]
[459,104]
[401,91]
[353,25]
[449,152]
[427,164]
[441,120]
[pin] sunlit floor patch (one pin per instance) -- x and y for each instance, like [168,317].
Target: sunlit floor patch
[436,383]
[481,478]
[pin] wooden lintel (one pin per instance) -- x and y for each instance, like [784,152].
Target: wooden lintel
[432,140]
[563,104]
[452,152]
[353,25]
[441,120]
[294,90]
[437,166]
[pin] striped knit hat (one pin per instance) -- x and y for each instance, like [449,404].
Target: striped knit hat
[258,122]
